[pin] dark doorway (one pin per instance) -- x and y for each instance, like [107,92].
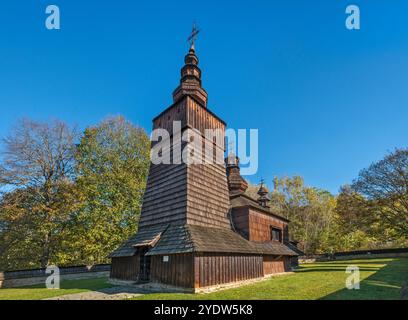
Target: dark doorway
[144,265]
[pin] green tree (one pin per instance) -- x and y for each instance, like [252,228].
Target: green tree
[354,211]
[357,222]
[112,162]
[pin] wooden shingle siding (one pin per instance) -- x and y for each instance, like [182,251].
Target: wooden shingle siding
[208,197]
[193,194]
[163,176]
[125,268]
[191,114]
[166,194]
[177,271]
[240,219]
[176,113]
[259,226]
[214,269]
[200,118]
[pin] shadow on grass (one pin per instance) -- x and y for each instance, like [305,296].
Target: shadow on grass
[81,284]
[385,284]
[340,269]
[348,262]
[329,266]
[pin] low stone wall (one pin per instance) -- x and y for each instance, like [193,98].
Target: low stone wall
[20,278]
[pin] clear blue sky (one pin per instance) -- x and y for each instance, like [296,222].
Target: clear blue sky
[327,101]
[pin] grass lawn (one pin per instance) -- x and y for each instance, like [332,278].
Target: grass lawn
[380,279]
[66,287]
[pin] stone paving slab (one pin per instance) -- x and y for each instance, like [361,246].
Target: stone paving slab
[404,292]
[113,293]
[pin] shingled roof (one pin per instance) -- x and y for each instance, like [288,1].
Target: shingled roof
[180,238]
[275,248]
[239,199]
[176,239]
[295,249]
[225,240]
[145,237]
[191,238]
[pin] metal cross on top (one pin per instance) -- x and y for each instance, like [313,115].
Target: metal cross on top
[193,36]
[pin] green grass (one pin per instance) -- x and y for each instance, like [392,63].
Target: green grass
[380,279]
[66,287]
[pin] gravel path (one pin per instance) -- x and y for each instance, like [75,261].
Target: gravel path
[114,293]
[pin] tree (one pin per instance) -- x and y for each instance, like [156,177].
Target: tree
[112,162]
[353,211]
[385,185]
[355,221]
[36,176]
[311,212]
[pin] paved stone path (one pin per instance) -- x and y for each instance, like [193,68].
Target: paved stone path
[114,293]
[404,292]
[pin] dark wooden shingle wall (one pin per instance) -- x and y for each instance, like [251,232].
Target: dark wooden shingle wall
[177,271]
[214,269]
[125,268]
[259,226]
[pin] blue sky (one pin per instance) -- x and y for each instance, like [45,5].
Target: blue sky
[327,101]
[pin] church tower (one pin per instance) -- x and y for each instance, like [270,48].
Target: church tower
[193,194]
[196,221]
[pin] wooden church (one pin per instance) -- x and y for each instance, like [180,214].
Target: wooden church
[198,227]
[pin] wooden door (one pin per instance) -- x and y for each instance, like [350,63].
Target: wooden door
[144,265]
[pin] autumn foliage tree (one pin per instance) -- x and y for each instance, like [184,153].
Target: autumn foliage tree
[65,202]
[310,210]
[385,185]
[36,176]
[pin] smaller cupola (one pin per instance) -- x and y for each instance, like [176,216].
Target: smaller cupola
[263,199]
[235,181]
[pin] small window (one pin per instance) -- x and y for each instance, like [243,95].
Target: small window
[276,234]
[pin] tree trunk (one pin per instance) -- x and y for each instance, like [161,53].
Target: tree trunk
[45,256]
